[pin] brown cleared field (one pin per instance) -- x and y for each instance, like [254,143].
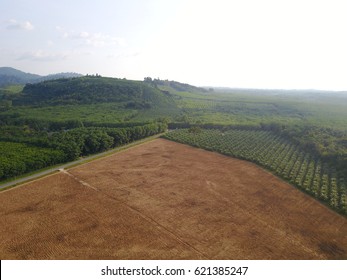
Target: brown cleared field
[164,200]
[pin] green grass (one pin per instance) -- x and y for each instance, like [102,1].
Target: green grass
[322,109]
[13,89]
[95,113]
[101,112]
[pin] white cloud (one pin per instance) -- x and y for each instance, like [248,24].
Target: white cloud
[17,25]
[59,28]
[84,35]
[125,55]
[101,40]
[41,55]
[93,39]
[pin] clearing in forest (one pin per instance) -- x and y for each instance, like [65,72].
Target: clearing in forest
[165,200]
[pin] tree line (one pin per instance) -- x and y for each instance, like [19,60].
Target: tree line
[24,149]
[89,140]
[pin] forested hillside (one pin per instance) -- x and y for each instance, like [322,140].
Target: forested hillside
[42,123]
[91,100]
[93,89]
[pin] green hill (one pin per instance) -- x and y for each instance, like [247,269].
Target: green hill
[91,100]
[91,90]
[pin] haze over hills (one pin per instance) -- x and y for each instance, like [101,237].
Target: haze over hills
[12,76]
[273,90]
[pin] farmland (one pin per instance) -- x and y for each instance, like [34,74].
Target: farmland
[161,200]
[302,169]
[165,200]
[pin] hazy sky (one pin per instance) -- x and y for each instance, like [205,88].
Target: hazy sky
[244,43]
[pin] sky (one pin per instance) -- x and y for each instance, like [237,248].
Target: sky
[235,43]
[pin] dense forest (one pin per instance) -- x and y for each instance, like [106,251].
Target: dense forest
[24,150]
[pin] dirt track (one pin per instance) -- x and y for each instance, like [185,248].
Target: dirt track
[164,200]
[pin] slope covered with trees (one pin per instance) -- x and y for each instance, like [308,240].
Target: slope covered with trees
[92,89]
[61,120]
[91,100]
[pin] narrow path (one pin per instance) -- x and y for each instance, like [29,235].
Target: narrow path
[138,212]
[76,179]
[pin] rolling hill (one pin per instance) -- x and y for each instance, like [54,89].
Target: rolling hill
[11,76]
[95,89]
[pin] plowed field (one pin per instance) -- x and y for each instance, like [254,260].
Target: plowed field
[164,200]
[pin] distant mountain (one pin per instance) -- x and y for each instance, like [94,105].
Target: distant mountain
[11,76]
[58,76]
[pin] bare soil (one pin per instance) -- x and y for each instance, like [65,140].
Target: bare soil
[164,200]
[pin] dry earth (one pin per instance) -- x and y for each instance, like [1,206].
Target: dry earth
[164,200]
